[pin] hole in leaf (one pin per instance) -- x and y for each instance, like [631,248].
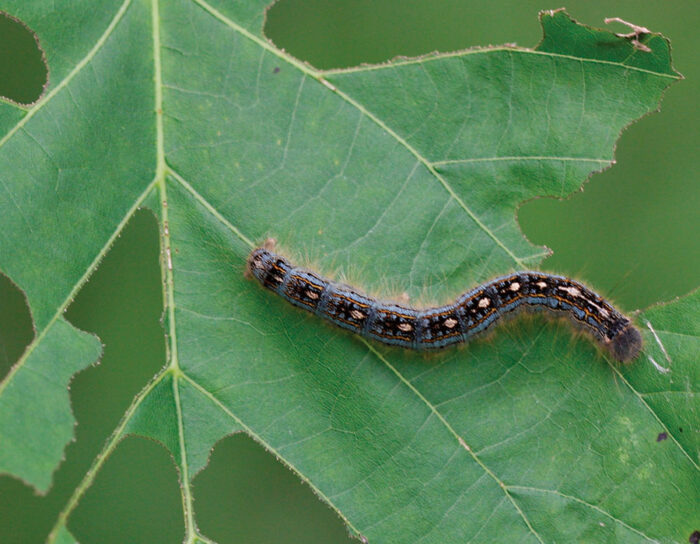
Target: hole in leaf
[632,233]
[122,304]
[16,330]
[342,34]
[246,495]
[135,498]
[23,70]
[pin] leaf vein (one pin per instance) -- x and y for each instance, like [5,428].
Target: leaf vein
[74,291]
[585,503]
[653,413]
[211,209]
[454,433]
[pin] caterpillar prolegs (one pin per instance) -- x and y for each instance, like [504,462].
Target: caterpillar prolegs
[432,328]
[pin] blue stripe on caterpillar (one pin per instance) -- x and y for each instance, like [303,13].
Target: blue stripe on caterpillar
[432,328]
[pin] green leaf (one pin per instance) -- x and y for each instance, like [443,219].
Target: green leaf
[33,439]
[409,173]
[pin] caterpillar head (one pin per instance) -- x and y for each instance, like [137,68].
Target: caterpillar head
[626,344]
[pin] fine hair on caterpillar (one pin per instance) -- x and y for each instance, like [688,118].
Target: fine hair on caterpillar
[459,321]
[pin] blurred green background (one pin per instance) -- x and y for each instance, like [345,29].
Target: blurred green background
[633,234]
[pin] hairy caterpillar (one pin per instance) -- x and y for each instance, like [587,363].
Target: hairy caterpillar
[432,328]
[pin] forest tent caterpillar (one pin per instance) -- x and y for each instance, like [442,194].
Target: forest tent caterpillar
[432,328]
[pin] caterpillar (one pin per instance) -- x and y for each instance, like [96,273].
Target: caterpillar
[432,328]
